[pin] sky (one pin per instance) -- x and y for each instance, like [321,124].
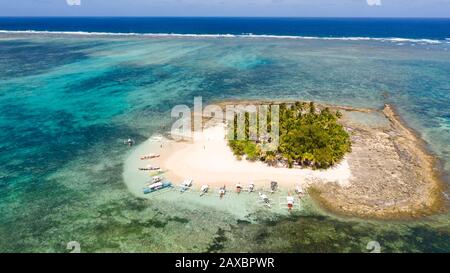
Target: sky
[275,8]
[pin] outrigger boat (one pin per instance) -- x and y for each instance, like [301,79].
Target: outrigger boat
[156,187]
[149,156]
[222,191]
[204,189]
[186,184]
[150,168]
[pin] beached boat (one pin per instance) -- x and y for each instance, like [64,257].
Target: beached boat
[150,168]
[157,186]
[204,189]
[149,156]
[186,184]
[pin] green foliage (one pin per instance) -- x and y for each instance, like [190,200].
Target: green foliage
[245,147]
[308,137]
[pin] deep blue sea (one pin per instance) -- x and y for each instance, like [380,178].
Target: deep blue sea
[71,89]
[438,29]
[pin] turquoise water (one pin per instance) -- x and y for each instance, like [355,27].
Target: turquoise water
[68,101]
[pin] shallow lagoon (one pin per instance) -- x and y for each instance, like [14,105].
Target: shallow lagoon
[66,109]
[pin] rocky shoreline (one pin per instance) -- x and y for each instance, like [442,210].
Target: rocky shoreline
[394,176]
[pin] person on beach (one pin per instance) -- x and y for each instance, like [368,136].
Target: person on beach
[251,187]
[264,199]
[238,188]
[273,186]
[130,142]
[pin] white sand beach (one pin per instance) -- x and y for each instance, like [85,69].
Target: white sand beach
[207,159]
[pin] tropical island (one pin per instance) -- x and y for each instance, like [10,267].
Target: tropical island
[351,161]
[309,137]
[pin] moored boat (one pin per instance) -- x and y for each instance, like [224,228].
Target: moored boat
[150,168]
[149,156]
[204,189]
[157,186]
[186,184]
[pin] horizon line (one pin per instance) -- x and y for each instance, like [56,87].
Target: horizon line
[224,16]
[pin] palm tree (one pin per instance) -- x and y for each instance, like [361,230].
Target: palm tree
[271,158]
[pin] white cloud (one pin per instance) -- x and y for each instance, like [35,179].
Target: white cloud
[73,2]
[374,2]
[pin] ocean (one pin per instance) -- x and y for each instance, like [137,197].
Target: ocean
[437,29]
[72,89]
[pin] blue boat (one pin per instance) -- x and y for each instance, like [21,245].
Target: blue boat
[157,186]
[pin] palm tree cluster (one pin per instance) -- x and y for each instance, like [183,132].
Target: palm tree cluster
[309,137]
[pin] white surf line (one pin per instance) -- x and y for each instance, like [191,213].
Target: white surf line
[249,35]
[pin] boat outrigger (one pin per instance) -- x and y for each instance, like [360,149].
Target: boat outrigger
[186,184]
[157,186]
[149,156]
[155,172]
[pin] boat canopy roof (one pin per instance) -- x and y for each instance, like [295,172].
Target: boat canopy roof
[155,185]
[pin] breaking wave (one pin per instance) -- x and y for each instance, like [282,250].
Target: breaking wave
[245,35]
